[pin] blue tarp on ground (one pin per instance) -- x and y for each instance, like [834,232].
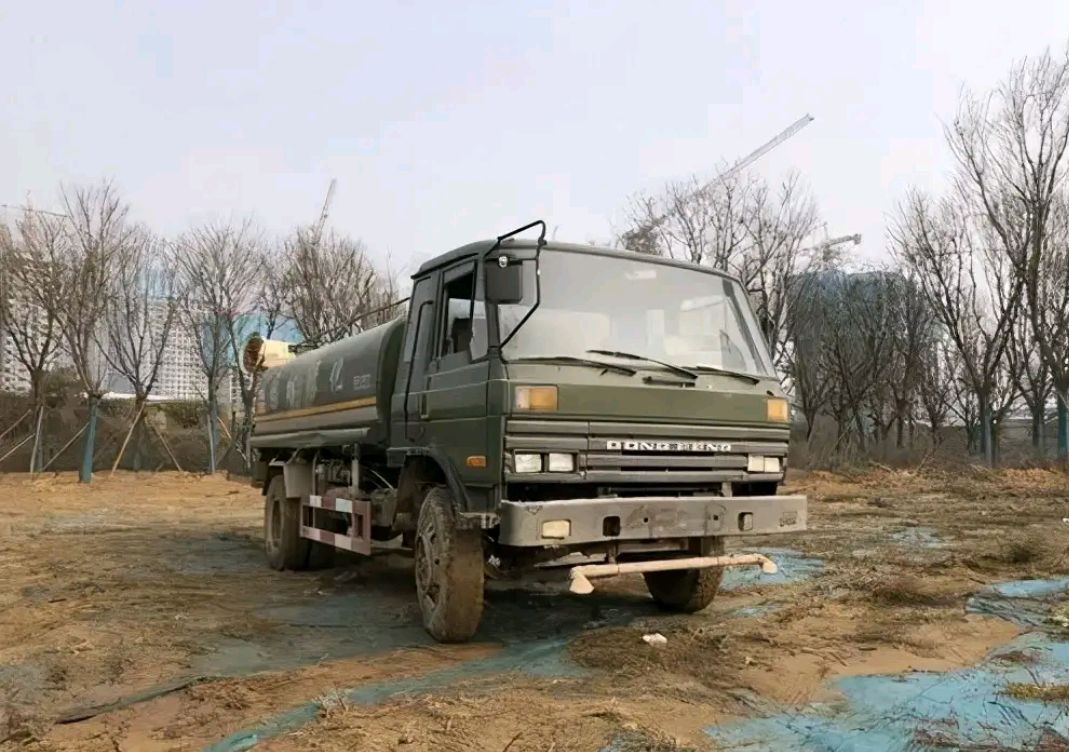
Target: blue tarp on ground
[920,537]
[542,658]
[794,566]
[964,709]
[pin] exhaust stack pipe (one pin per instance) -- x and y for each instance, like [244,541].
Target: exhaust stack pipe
[581,575]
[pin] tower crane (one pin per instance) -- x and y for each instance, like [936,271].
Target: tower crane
[752,157]
[826,245]
[317,230]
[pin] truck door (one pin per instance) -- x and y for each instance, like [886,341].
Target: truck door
[411,384]
[454,405]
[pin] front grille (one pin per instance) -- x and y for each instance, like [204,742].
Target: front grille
[610,453]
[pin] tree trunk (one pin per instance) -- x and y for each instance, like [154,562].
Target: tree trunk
[1038,429]
[85,472]
[37,395]
[810,424]
[211,430]
[986,443]
[139,407]
[1063,428]
[246,432]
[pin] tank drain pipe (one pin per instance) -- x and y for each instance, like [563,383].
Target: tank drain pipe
[580,576]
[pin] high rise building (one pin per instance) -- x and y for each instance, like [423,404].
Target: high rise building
[31,320]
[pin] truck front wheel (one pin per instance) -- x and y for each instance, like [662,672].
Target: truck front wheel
[687,590]
[285,547]
[449,570]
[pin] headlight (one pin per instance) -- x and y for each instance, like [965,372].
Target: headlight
[560,462]
[535,398]
[778,409]
[527,462]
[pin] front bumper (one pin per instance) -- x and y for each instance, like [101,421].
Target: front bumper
[649,518]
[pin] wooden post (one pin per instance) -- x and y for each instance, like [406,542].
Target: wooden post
[15,425]
[12,450]
[166,448]
[36,439]
[122,449]
[65,447]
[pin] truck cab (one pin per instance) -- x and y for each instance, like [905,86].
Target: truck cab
[545,404]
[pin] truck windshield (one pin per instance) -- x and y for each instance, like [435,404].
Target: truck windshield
[595,302]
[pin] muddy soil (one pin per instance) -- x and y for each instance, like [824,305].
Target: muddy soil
[137,614]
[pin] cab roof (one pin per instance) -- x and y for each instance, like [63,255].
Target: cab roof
[471,250]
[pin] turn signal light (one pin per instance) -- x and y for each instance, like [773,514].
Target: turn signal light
[778,409]
[535,398]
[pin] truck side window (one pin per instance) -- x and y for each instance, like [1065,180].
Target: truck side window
[422,293]
[464,329]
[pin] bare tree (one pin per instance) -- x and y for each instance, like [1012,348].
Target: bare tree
[973,292]
[772,266]
[98,233]
[332,288]
[857,346]
[221,268]
[912,338]
[29,292]
[691,221]
[141,313]
[1031,377]
[809,374]
[1012,149]
[940,372]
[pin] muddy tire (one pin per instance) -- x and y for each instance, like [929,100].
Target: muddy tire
[283,544]
[320,555]
[684,591]
[449,571]
[687,590]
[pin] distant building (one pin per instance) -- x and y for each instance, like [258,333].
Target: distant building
[13,374]
[181,376]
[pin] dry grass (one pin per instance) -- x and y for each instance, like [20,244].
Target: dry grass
[908,590]
[622,651]
[1041,692]
[1023,551]
[19,725]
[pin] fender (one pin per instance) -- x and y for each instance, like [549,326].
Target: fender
[396,457]
[296,474]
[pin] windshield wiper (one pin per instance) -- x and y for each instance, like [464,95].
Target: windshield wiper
[679,370]
[727,372]
[573,360]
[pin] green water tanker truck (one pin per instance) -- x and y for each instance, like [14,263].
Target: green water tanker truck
[540,405]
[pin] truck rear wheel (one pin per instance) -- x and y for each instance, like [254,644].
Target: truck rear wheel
[285,547]
[449,570]
[687,590]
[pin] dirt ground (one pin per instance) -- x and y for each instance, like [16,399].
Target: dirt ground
[137,614]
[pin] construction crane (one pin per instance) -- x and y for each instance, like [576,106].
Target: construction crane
[750,158]
[762,150]
[317,230]
[826,245]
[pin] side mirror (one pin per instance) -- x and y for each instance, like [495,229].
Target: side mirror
[504,284]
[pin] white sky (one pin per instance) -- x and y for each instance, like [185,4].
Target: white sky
[449,122]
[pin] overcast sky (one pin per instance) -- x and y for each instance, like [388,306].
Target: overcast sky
[446,122]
